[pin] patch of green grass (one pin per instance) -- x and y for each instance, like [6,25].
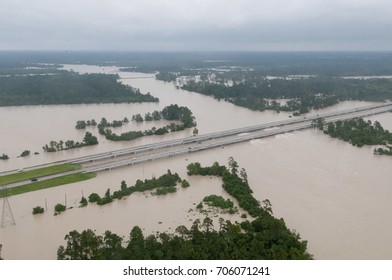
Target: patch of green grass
[68,179]
[36,173]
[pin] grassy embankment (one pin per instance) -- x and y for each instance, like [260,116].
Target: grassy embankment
[68,179]
[36,173]
[28,175]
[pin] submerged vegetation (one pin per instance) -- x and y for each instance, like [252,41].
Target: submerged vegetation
[84,124]
[384,151]
[38,210]
[172,112]
[218,201]
[359,133]
[164,184]
[265,237]
[55,146]
[4,157]
[25,153]
[58,208]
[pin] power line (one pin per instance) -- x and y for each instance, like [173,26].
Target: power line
[6,217]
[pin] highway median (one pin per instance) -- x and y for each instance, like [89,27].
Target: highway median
[37,173]
[54,182]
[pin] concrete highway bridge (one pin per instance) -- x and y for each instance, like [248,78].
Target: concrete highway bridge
[141,154]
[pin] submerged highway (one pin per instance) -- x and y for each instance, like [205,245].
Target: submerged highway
[140,154]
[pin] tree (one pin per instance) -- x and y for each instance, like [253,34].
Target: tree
[156,115]
[103,123]
[123,185]
[195,131]
[83,202]
[137,118]
[94,197]
[4,156]
[81,246]
[194,168]
[320,123]
[61,145]
[267,206]
[25,153]
[58,208]
[185,183]
[148,117]
[243,175]
[89,139]
[233,165]
[135,248]
[38,210]
[80,125]
[112,246]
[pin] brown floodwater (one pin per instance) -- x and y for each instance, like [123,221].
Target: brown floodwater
[335,195]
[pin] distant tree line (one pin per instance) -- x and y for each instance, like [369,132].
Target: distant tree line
[303,94]
[55,146]
[241,67]
[67,88]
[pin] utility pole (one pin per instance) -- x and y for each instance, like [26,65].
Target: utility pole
[6,215]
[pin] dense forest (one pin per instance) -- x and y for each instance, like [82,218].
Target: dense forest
[265,237]
[304,94]
[67,88]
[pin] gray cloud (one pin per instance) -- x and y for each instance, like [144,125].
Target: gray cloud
[196,24]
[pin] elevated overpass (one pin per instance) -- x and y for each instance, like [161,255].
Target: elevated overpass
[144,153]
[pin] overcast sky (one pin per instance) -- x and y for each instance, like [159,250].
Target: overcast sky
[195,25]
